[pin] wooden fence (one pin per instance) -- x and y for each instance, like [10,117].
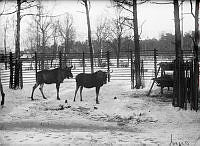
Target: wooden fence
[30,63]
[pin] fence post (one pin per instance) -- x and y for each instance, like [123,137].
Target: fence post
[196,78]
[191,85]
[60,59]
[132,70]
[21,75]
[11,70]
[162,74]
[142,73]
[108,63]
[83,62]
[5,60]
[36,62]
[155,62]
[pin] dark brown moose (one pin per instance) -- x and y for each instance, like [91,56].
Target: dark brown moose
[87,80]
[56,76]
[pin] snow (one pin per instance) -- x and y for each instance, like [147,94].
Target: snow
[124,116]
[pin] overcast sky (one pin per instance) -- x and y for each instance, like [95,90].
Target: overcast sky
[158,18]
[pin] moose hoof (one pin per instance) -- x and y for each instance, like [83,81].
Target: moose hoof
[66,101]
[58,98]
[97,102]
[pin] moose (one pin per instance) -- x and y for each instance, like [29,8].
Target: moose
[2,93]
[87,80]
[56,76]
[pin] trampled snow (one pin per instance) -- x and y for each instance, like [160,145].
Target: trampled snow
[124,116]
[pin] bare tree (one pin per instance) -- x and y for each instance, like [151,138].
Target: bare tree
[27,4]
[126,5]
[45,30]
[195,39]
[86,3]
[118,31]
[5,41]
[103,32]
[31,38]
[178,71]
[67,32]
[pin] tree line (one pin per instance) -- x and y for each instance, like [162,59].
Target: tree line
[165,43]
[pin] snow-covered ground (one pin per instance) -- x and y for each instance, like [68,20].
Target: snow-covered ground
[124,116]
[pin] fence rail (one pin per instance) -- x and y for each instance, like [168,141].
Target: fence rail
[81,63]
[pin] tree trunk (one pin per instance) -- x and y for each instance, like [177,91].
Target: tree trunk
[17,42]
[43,50]
[17,46]
[137,46]
[118,50]
[179,69]
[89,36]
[196,61]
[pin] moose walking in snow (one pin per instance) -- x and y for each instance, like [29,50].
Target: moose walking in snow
[56,76]
[96,79]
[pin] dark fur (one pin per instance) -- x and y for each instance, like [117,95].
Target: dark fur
[96,79]
[51,76]
[2,93]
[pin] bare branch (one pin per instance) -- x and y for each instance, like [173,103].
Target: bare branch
[191,9]
[3,8]
[8,13]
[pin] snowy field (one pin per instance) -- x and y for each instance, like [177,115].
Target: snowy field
[124,116]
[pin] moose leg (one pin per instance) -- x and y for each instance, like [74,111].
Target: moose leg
[2,94]
[77,87]
[34,87]
[81,89]
[57,87]
[41,89]
[97,94]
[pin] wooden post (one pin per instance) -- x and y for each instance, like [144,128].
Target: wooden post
[60,59]
[108,63]
[155,62]
[83,62]
[11,71]
[174,101]
[16,75]
[21,75]
[153,83]
[142,73]
[162,74]
[132,70]
[5,60]
[36,62]
[191,85]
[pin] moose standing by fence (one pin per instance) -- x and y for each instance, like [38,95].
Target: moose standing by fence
[56,76]
[96,79]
